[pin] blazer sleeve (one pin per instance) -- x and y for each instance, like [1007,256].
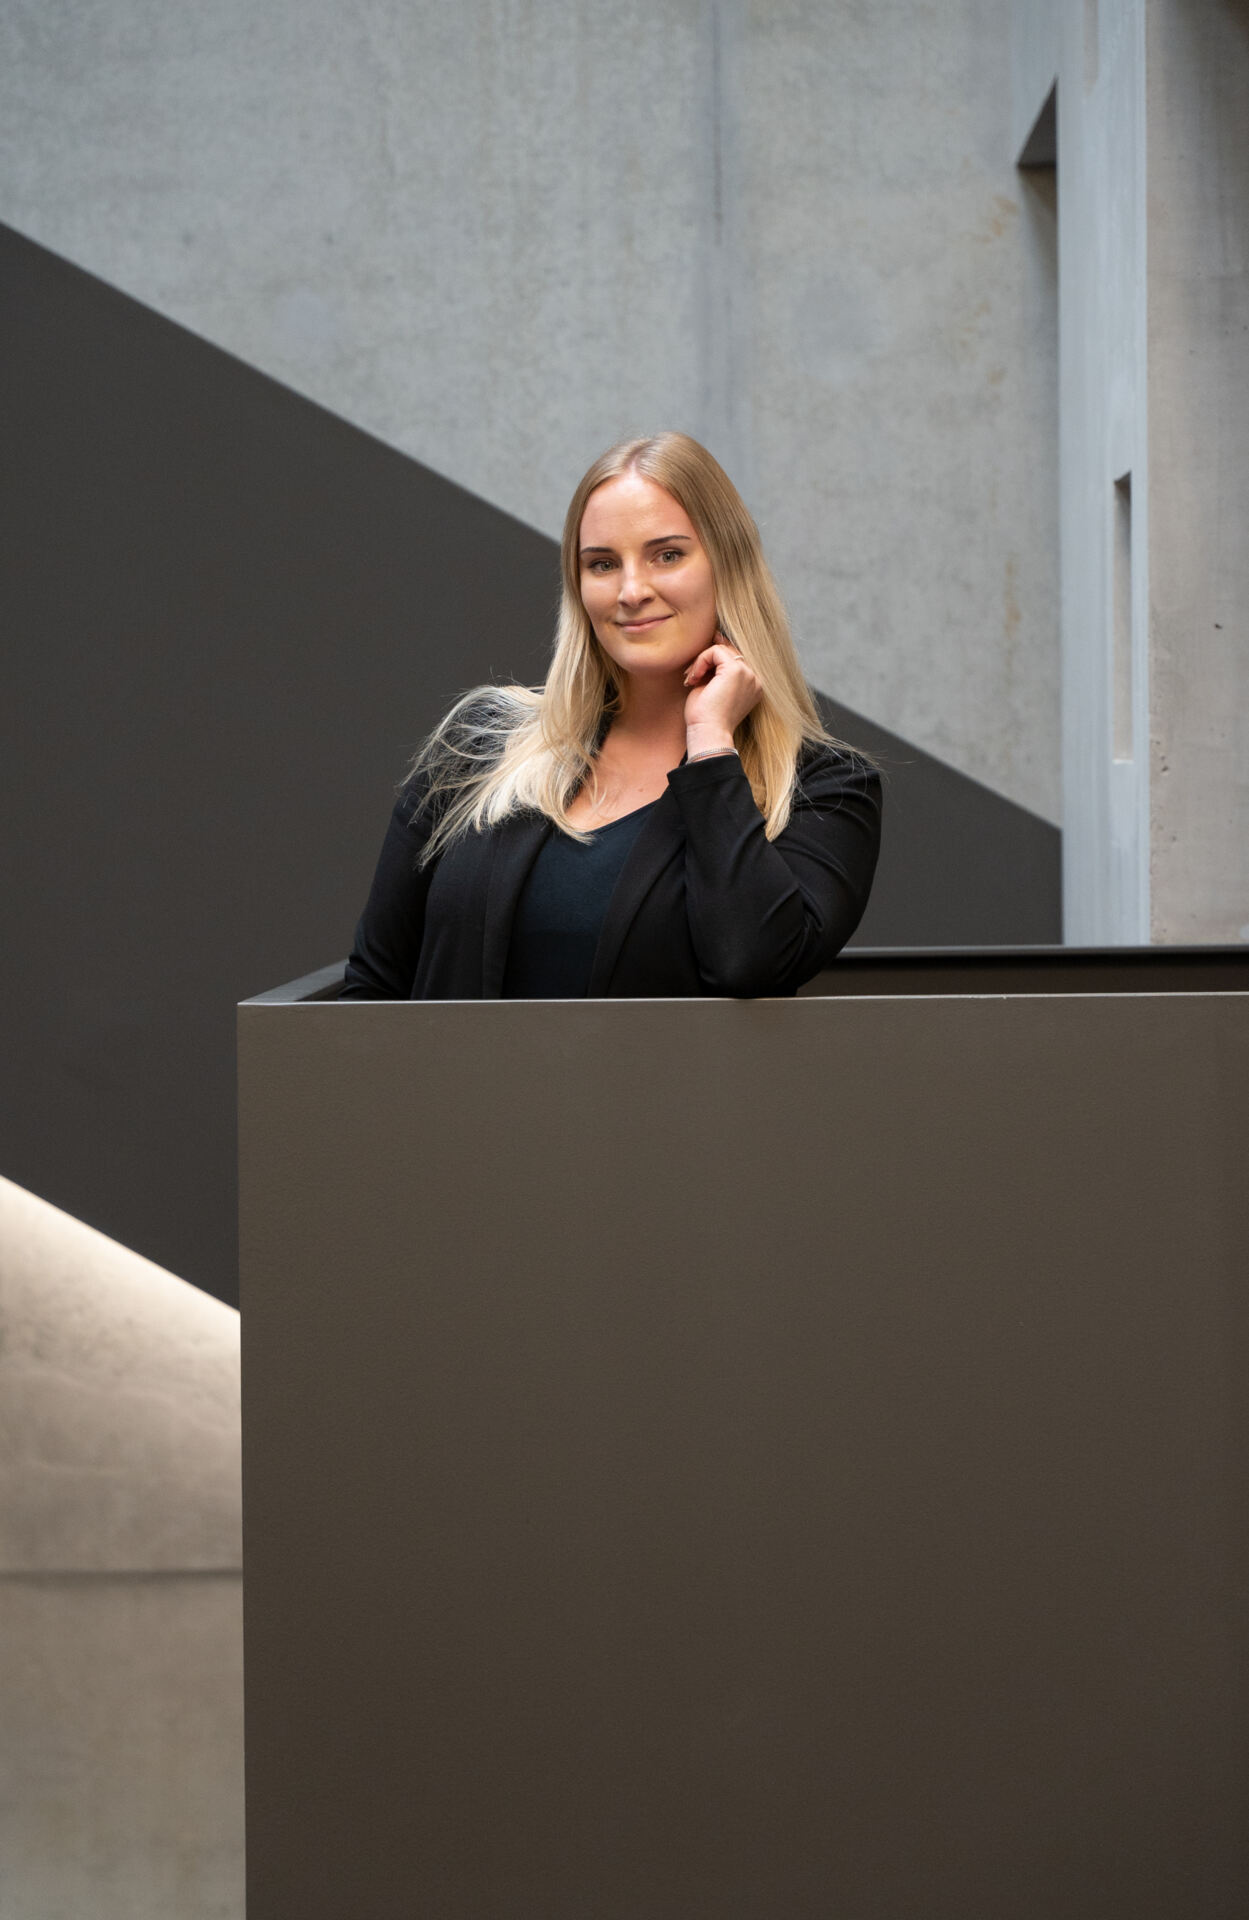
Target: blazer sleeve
[382,965]
[766,915]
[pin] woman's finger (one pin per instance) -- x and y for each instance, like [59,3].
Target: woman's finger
[702,664]
[719,654]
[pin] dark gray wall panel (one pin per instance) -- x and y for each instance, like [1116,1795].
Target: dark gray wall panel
[960,866]
[228,616]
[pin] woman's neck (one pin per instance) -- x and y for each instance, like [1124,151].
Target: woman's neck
[652,716]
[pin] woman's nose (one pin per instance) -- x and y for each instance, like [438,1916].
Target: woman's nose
[634,584]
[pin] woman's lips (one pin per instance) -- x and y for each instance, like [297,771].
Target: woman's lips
[640,626]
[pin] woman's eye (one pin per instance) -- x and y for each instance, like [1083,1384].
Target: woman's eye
[666,553]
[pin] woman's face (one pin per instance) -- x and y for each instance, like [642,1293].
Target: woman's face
[645,577]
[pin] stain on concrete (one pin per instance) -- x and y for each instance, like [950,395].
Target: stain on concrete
[1012,615]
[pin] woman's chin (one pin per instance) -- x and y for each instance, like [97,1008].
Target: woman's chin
[642,662]
[662,659]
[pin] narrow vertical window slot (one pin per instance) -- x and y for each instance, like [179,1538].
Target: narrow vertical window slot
[1122,640]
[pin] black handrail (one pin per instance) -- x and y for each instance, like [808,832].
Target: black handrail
[964,970]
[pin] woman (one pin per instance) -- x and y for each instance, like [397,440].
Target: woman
[667,815]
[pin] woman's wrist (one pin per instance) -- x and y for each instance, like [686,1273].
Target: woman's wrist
[703,739]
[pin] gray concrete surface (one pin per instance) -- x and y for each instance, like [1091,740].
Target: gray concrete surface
[1097,57]
[1198,178]
[120,1406]
[902,282]
[500,236]
[1153,187]
[121,1759]
[121,1764]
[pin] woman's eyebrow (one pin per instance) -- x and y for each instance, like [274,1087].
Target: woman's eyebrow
[663,540]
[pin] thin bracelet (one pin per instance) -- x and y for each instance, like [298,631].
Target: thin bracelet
[713,753]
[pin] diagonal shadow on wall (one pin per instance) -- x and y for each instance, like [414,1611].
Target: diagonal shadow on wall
[230,615]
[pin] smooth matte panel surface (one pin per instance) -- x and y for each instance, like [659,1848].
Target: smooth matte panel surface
[742,1459]
[229,617]
[960,866]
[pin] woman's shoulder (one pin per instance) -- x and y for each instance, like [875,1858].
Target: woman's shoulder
[834,766]
[835,786]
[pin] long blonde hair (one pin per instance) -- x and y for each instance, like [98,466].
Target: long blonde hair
[503,750]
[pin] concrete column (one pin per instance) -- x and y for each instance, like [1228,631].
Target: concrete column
[1153,190]
[1198,318]
[1093,60]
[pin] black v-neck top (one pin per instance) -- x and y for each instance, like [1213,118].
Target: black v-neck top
[561,909]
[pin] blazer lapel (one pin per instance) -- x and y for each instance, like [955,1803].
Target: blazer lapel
[660,841]
[516,846]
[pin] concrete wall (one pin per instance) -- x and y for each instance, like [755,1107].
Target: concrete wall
[901,280]
[1153,187]
[121,1766]
[1198,177]
[1097,57]
[501,235]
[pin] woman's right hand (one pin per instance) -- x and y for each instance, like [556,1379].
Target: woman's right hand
[722,691]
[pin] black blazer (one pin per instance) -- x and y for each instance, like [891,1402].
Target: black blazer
[705,902]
